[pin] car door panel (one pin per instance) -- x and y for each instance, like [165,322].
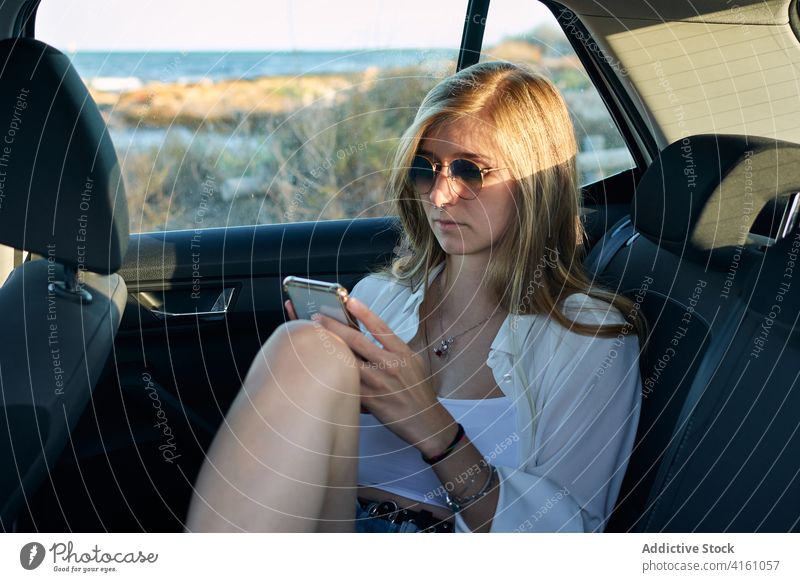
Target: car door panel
[171,379]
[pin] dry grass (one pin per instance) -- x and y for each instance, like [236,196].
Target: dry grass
[305,149]
[283,149]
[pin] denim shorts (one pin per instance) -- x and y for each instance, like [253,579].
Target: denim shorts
[367,524]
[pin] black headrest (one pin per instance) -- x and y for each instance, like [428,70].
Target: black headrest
[61,194]
[702,195]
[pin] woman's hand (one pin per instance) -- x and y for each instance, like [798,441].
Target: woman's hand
[394,385]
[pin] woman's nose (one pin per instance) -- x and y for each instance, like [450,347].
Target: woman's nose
[442,190]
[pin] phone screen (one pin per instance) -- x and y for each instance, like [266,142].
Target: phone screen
[308,300]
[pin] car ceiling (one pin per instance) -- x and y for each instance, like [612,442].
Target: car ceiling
[713,67]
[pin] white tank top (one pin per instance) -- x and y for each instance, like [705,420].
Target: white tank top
[388,462]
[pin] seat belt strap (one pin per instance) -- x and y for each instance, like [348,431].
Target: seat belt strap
[608,246]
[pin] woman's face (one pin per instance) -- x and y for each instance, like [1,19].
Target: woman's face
[467,227]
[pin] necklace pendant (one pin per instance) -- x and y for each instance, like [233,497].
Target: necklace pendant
[443,348]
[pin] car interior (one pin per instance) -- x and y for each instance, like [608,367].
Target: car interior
[701,232]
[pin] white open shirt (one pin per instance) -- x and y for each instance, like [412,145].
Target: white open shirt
[587,394]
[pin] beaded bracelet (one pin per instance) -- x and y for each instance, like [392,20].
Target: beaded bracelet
[456,503]
[436,458]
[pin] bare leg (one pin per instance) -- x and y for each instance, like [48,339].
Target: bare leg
[286,455]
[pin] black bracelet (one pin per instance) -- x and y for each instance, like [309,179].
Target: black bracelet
[436,458]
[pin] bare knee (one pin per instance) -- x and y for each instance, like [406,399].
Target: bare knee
[304,350]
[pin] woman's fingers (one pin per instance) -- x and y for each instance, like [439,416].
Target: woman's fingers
[376,326]
[357,341]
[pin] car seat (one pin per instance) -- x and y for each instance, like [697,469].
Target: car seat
[686,258]
[62,199]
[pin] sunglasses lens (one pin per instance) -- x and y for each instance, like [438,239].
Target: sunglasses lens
[421,175]
[467,176]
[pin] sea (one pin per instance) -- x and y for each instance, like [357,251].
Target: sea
[120,71]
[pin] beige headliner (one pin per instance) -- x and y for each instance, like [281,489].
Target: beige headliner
[702,66]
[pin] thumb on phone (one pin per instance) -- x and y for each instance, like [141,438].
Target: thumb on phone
[290,309]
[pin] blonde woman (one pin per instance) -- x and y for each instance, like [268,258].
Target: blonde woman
[500,388]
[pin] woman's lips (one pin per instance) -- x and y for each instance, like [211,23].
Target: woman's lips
[448,224]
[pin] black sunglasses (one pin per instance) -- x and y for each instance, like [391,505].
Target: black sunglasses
[465,177]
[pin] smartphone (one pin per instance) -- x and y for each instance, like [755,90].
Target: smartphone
[309,296]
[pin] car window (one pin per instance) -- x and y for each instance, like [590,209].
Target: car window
[259,113]
[528,33]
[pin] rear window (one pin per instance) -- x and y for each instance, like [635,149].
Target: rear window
[528,33]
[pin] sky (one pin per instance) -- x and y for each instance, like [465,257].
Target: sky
[86,25]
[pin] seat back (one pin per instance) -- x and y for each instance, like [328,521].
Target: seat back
[684,259]
[61,198]
[733,464]
[683,317]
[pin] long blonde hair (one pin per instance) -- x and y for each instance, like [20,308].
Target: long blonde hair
[538,260]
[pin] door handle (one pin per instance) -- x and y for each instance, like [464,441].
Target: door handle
[218,311]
